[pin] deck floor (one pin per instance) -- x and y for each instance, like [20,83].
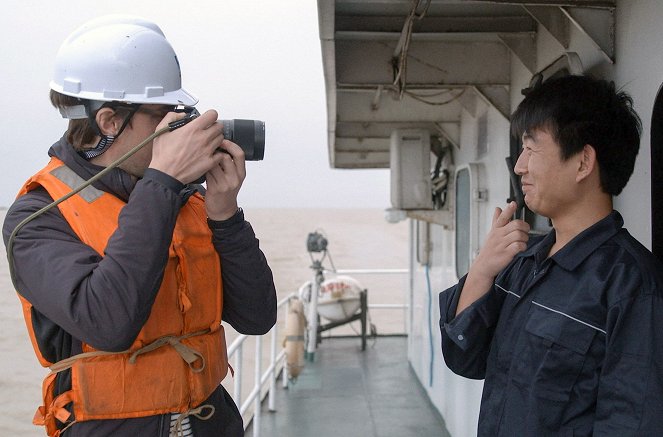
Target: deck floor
[347,392]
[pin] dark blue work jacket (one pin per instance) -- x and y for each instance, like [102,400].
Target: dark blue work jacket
[570,345]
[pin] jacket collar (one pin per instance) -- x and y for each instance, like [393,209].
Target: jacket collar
[118,182]
[578,249]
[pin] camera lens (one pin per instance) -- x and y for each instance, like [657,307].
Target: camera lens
[247,134]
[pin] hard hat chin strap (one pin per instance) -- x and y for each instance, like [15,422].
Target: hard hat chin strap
[106,140]
[104,143]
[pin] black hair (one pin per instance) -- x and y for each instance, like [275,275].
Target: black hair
[580,110]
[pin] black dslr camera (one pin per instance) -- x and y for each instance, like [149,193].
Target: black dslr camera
[247,134]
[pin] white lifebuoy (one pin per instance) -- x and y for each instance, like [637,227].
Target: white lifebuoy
[339,298]
[295,324]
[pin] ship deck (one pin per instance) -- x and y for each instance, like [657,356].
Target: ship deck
[350,392]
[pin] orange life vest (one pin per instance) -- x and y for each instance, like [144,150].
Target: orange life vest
[179,357]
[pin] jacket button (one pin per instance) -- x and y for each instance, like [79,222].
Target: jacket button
[460,337]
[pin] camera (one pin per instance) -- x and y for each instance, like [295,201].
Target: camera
[247,134]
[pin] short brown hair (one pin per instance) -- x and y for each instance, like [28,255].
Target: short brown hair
[80,132]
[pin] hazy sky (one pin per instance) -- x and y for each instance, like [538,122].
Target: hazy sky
[257,59]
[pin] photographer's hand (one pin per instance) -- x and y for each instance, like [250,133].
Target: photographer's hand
[224,181]
[504,241]
[190,151]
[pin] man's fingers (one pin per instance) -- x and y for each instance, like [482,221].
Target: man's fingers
[517,246]
[169,118]
[496,215]
[503,217]
[207,118]
[234,150]
[517,226]
[517,234]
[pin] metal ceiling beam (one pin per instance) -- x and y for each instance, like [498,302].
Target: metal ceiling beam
[361,160]
[462,37]
[450,132]
[598,25]
[435,24]
[469,63]
[597,4]
[361,153]
[498,97]
[469,101]
[364,130]
[389,87]
[363,144]
[553,20]
[523,46]
[357,107]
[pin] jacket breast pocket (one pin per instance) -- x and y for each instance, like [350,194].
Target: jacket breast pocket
[553,353]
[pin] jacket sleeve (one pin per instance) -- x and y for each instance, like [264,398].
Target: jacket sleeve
[103,301]
[630,397]
[466,337]
[249,294]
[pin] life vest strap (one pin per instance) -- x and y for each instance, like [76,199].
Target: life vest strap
[56,409]
[188,354]
[67,363]
[177,431]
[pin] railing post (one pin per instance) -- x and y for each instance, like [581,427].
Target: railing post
[406,305]
[312,326]
[237,392]
[272,374]
[284,372]
[257,382]
[410,291]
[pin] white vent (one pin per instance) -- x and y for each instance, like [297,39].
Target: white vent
[410,169]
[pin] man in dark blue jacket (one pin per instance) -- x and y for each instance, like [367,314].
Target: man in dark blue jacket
[566,329]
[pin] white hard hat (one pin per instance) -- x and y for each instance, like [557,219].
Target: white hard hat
[120,58]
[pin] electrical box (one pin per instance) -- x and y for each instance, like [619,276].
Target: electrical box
[410,169]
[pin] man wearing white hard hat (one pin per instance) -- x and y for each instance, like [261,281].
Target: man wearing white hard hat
[124,266]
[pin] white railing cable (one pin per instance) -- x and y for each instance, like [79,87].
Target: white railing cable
[405,307]
[370,271]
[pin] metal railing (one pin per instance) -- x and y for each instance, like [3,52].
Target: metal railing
[276,360]
[236,351]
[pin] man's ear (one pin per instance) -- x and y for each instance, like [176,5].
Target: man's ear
[587,162]
[107,121]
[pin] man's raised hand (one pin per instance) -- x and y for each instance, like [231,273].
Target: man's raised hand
[507,238]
